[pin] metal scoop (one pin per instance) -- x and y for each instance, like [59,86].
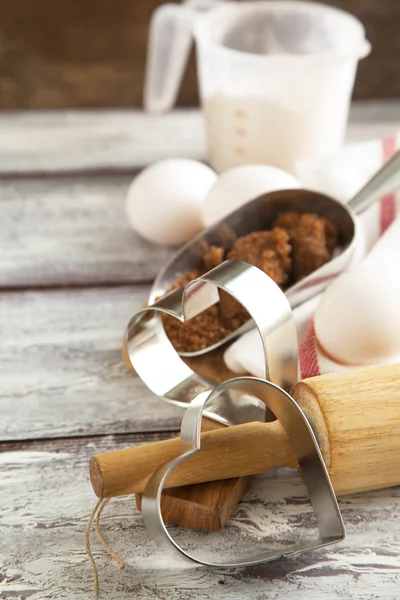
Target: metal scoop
[260,213]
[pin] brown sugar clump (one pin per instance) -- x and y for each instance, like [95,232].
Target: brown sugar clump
[305,226]
[229,306]
[213,257]
[297,245]
[210,326]
[204,330]
[267,250]
[313,240]
[309,254]
[183,279]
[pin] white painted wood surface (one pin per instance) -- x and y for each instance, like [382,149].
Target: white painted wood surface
[62,372]
[73,230]
[71,274]
[45,501]
[43,142]
[63,231]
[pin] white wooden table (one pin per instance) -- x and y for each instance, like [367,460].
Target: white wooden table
[71,274]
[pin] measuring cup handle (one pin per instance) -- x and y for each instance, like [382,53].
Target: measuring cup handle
[386,180]
[169,43]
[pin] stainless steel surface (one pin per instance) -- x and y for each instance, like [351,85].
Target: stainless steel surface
[261,212]
[305,446]
[164,372]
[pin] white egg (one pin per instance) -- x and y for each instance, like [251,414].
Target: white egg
[163,202]
[237,186]
[358,319]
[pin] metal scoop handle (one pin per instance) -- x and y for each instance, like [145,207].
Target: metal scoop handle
[386,180]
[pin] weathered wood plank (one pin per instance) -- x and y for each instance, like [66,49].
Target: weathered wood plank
[45,500]
[62,373]
[62,141]
[65,141]
[71,231]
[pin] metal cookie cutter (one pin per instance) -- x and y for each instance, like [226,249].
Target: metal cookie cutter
[234,401]
[305,446]
[164,372]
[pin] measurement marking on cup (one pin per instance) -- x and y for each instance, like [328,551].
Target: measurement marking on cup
[240,113]
[240,131]
[240,151]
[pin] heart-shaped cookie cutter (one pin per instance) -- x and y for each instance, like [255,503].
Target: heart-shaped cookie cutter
[305,445]
[235,401]
[163,371]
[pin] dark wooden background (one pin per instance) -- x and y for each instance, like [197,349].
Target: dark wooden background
[87,53]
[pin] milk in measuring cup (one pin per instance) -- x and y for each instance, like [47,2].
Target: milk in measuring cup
[256,130]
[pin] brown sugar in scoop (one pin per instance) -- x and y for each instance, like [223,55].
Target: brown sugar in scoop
[297,245]
[267,250]
[312,238]
[210,326]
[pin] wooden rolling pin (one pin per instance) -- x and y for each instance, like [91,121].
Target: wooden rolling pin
[356,414]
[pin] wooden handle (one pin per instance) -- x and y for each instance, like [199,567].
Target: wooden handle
[222,450]
[205,505]
[357,414]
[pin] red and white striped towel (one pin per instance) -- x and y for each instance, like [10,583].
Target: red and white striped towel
[354,165]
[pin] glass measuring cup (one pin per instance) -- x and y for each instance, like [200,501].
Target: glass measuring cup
[275,77]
